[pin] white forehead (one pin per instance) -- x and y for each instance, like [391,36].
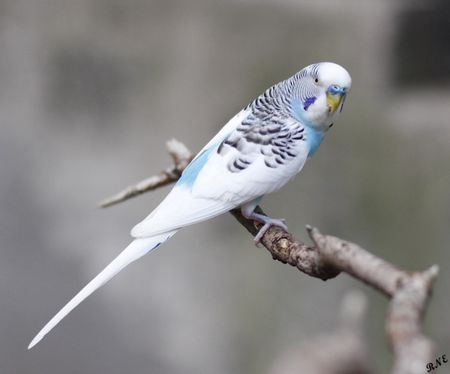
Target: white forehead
[330,73]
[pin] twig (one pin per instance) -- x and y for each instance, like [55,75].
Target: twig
[408,291]
[181,157]
[404,322]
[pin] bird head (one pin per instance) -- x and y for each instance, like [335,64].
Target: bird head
[320,94]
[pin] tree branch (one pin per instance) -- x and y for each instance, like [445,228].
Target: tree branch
[181,157]
[409,292]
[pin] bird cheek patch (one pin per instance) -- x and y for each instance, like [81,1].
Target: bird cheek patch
[308,102]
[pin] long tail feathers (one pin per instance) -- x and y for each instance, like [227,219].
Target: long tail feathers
[135,250]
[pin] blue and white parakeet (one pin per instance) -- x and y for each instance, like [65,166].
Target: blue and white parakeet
[257,152]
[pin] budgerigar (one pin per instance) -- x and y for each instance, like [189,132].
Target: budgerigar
[257,152]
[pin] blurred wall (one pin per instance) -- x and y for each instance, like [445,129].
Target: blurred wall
[91,90]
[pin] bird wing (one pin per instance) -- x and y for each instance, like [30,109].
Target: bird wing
[251,156]
[180,208]
[260,156]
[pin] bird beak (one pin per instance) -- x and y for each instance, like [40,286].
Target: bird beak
[334,100]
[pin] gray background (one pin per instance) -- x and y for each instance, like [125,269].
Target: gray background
[90,92]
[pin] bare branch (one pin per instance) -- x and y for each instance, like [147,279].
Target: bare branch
[285,248]
[356,261]
[409,292]
[404,322]
[181,157]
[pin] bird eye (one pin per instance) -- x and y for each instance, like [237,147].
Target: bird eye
[316,80]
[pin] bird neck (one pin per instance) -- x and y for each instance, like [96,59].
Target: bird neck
[313,139]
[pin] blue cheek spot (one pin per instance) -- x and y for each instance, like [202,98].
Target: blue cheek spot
[298,109]
[313,136]
[308,102]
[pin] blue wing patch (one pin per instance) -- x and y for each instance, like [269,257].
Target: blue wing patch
[191,172]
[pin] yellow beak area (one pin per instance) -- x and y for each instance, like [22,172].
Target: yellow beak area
[333,101]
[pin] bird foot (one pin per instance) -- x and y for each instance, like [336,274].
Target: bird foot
[268,222]
[280,222]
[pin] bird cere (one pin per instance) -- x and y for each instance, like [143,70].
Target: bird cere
[257,152]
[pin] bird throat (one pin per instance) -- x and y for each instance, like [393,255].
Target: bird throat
[314,138]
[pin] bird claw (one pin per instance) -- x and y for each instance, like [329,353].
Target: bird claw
[268,222]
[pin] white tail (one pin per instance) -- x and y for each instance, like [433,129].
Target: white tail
[135,250]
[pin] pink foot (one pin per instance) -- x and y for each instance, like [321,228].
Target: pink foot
[268,221]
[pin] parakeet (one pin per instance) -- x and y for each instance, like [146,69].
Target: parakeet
[257,152]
